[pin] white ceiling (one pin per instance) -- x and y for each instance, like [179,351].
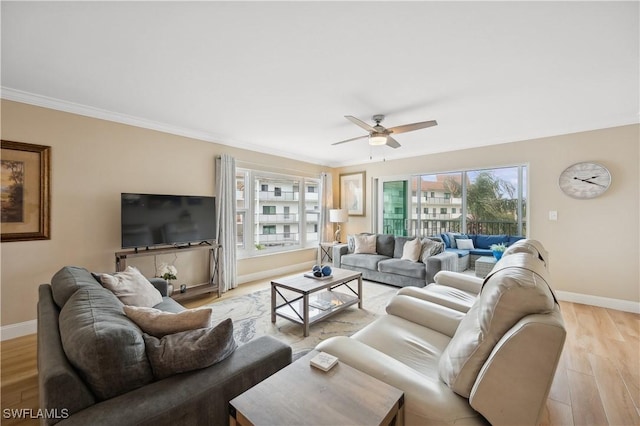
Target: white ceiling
[279,77]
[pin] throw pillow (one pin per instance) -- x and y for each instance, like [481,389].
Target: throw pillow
[453,237]
[190,350]
[160,323]
[132,288]
[364,244]
[464,244]
[430,248]
[411,250]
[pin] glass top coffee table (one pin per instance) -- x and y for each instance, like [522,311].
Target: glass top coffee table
[309,300]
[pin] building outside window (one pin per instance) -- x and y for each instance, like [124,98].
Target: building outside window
[273,214]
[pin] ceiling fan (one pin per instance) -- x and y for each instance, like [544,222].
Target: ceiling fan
[379,135]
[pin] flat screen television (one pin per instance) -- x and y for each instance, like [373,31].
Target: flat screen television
[154,220]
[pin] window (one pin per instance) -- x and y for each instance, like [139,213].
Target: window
[268,229]
[282,214]
[485,201]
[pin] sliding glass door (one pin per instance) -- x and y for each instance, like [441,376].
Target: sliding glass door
[488,201]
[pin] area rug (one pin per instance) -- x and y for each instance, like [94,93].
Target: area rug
[252,318]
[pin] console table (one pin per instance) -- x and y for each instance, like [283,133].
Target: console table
[213,285]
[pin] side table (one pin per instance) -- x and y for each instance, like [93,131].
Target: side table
[300,394]
[484,265]
[326,251]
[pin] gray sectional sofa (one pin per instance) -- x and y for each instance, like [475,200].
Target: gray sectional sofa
[387,266]
[112,382]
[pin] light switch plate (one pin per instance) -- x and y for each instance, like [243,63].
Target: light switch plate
[553,215]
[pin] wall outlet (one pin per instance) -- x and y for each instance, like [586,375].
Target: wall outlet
[553,215]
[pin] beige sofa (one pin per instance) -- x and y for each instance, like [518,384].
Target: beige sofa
[494,363]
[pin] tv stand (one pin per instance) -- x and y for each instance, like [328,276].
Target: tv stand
[213,285]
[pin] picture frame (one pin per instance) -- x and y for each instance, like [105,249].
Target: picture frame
[25,173]
[352,193]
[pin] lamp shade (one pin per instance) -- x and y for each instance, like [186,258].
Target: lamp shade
[377,139]
[338,215]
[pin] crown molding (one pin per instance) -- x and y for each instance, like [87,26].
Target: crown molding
[116,117]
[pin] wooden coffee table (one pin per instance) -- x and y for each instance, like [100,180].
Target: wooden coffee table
[300,394]
[314,298]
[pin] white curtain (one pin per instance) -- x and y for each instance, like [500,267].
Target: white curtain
[326,191]
[226,220]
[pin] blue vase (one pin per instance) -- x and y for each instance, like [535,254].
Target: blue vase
[497,254]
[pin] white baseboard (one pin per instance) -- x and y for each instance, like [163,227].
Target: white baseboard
[20,329]
[603,302]
[12,331]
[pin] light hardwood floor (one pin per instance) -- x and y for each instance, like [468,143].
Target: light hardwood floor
[597,381]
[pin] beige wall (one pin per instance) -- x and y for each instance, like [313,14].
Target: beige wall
[93,161]
[594,244]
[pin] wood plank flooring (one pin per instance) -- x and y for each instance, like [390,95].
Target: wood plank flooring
[597,381]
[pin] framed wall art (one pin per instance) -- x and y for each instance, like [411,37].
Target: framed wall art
[26,194]
[352,193]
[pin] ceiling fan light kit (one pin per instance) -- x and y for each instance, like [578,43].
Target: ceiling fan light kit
[378,139]
[379,135]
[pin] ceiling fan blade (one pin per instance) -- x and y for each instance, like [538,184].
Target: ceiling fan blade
[352,139]
[411,127]
[392,142]
[360,123]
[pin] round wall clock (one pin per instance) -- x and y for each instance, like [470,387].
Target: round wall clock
[584,180]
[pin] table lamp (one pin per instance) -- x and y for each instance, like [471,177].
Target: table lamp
[338,216]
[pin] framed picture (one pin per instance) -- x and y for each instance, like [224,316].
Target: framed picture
[26,195]
[352,193]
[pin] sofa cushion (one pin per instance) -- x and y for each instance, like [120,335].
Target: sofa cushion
[513,239]
[399,246]
[516,288]
[364,244]
[68,280]
[430,248]
[464,243]
[405,268]
[481,252]
[190,350]
[158,323]
[132,288]
[365,261]
[453,236]
[385,244]
[485,241]
[459,252]
[412,250]
[105,346]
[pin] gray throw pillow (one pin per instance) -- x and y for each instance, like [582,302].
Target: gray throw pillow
[160,323]
[132,288]
[190,350]
[105,346]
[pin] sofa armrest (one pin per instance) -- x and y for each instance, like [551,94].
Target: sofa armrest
[445,261]
[197,397]
[529,354]
[460,281]
[425,313]
[427,400]
[161,285]
[339,250]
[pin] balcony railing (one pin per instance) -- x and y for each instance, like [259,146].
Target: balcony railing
[277,218]
[278,196]
[437,227]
